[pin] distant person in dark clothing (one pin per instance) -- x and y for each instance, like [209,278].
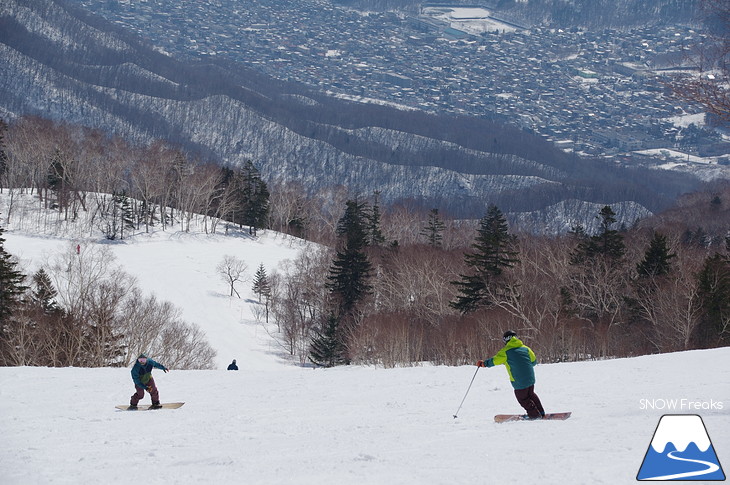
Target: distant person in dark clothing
[232,365]
[143,381]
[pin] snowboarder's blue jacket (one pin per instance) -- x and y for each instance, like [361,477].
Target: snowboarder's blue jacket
[141,374]
[519,360]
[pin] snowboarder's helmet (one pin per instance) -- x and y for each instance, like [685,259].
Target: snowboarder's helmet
[508,335]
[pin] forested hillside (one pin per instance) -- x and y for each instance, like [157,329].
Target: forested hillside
[386,285]
[65,64]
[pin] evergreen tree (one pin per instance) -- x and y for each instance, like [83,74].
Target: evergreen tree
[127,214]
[578,232]
[434,229]
[44,293]
[3,155]
[11,283]
[350,270]
[493,252]
[657,259]
[716,203]
[249,195]
[56,172]
[698,238]
[327,348]
[608,243]
[58,180]
[261,286]
[255,198]
[714,290]
[297,224]
[376,237]
[353,225]
[119,218]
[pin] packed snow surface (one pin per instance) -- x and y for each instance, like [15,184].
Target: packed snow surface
[274,422]
[350,425]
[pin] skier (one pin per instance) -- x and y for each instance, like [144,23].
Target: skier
[232,365]
[519,360]
[143,381]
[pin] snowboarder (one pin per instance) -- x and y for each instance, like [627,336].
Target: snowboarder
[519,360]
[232,365]
[143,381]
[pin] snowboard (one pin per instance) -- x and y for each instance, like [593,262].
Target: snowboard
[503,418]
[146,407]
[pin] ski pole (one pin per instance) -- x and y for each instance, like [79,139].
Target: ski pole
[467,392]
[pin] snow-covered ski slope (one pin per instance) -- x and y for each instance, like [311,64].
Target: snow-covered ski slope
[351,425]
[273,422]
[180,267]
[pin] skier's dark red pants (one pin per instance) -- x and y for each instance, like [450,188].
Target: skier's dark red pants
[529,400]
[154,394]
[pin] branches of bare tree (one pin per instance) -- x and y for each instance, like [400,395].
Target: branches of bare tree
[99,317]
[231,270]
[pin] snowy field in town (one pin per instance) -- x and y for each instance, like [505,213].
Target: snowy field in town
[273,422]
[472,20]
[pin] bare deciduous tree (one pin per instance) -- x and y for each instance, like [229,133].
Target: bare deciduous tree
[231,270]
[105,319]
[414,280]
[299,300]
[290,209]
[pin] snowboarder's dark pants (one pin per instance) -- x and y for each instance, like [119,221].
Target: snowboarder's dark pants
[529,400]
[152,389]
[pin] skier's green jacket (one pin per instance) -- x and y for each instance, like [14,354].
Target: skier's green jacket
[519,359]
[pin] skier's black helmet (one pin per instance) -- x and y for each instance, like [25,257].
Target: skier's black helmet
[508,335]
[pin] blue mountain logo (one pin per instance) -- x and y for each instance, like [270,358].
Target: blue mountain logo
[681,450]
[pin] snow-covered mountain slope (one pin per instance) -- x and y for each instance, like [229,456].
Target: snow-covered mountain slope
[290,425]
